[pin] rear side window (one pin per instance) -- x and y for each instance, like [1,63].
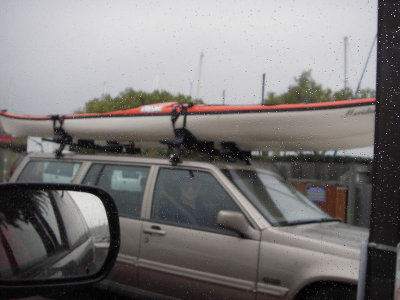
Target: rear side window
[124,183]
[49,171]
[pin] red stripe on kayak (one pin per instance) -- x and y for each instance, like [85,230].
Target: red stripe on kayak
[223,108]
[167,107]
[6,114]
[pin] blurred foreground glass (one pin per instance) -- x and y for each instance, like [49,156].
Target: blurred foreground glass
[51,234]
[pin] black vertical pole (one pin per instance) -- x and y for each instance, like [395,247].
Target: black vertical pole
[385,210]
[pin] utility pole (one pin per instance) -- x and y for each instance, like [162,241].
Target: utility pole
[156,83]
[199,75]
[345,62]
[384,235]
[10,90]
[223,97]
[262,89]
[104,90]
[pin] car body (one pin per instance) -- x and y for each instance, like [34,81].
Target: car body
[16,163]
[250,235]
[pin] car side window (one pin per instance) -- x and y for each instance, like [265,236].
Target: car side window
[189,197]
[124,183]
[49,171]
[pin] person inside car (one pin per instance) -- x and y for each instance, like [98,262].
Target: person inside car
[185,206]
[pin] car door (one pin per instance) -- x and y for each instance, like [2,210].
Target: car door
[126,184]
[183,252]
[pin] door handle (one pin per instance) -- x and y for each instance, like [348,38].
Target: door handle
[156,230]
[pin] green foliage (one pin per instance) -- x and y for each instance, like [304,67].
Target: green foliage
[130,98]
[366,93]
[343,94]
[307,90]
[347,93]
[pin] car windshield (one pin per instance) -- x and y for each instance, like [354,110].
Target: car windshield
[279,202]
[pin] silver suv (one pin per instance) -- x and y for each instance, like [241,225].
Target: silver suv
[213,230]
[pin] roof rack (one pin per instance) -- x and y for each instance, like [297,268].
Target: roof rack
[63,138]
[184,141]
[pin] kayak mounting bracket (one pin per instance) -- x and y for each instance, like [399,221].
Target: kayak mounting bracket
[180,109]
[185,140]
[60,136]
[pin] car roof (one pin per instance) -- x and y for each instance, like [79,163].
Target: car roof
[186,162]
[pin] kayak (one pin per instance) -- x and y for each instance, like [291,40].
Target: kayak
[315,126]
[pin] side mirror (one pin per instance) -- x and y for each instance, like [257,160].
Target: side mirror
[54,235]
[237,222]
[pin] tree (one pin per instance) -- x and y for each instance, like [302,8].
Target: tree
[307,90]
[343,94]
[29,207]
[366,93]
[347,93]
[129,98]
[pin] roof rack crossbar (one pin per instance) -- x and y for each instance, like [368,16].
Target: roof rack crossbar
[231,151]
[110,147]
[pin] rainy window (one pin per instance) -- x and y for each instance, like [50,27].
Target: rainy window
[278,201]
[189,198]
[124,183]
[49,171]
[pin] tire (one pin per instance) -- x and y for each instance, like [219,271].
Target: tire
[332,292]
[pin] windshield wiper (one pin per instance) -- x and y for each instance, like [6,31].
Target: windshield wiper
[309,221]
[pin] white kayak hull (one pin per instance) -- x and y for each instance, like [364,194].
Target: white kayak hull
[315,129]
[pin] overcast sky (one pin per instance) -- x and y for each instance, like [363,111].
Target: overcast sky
[56,55]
